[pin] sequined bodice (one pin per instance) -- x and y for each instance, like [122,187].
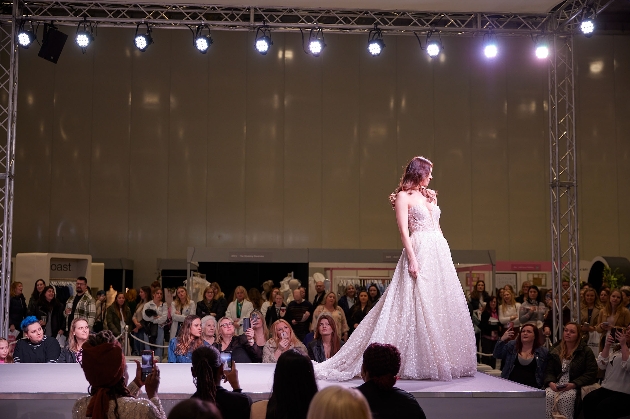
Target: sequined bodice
[423,219]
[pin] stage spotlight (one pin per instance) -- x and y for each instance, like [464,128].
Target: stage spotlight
[316,42]
[375,41]
[202,42]
[142,41]
[587,27]
[434,46]
[25,36]
[263,39]
[84,35]
[542,46]
[490,48]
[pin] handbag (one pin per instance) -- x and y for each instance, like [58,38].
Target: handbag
[587,389]
[554,410]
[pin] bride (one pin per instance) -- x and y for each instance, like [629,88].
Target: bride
[423,312]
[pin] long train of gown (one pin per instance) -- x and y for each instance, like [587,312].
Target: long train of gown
[426,318]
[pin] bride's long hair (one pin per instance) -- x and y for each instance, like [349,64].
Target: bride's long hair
[417,170]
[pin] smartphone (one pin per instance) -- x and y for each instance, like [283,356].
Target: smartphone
[226,359]
[561,385]
[147,364]
[284,335]
[247,324]
[254,316]
[510,325]
[614,331]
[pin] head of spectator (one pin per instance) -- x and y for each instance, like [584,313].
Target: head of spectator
[590,298]
[32,329]
[297,296]
[208,294]
[326,331]
[508,299]
[16,289]
[145,294]
[351,291]
[38,288]
[78,334]
[120,302]
[491,305]
[181,300]
[81,286]
[258,324]
[374,293]
[217,291]
[294,386]
[625,294]
[479,291]
[209,329]
[511,288]
[47,297]
[529,335]
[281,330]
[271,294]
[5,357]
[195,409]
[302,292]
[101,296]
[525,288]
[225,331]
[570,340]
[604,296]
[255,297]
[533,295]
[207,370]
[336,402]
[240,294]
[381,363]
[157,296]
[155,285]
[278,300]
[131,295]
[330,301]
[320,287]
[189,336]
[614,305]
[364,299]
[565,284]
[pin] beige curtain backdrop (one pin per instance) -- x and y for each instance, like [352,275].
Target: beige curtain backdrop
[140,155]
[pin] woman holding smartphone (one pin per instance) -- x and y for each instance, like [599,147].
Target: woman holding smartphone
[282,340]
[256,336]
[614,314]
[227,341]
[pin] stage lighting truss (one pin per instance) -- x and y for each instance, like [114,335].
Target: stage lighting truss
[25,35]
[143,40]
[587,24]
[490,47]
[202,41]
[541,45]
[85,35]
[316,42]
[263,42]
[375,41]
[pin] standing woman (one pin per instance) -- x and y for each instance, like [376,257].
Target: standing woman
[180,349]
[524,359]
[208,330]
[33,302]
[589,313]
[271,298]
[478,296]
[132,299]
[118,315]
[208,305]
[347,301]
[155,313]
[330,307]
[604,296]
[78,335]
[50,313]
[181,307]
[490,328]
[359,311]
[508,311]
[326,342]
[17,306]
[255,298]
[220,298]
[239,309]
[532,310]
[277,311]
[614,314]
[374,293]
[138,329]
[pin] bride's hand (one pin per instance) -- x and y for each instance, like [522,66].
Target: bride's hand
[413,268]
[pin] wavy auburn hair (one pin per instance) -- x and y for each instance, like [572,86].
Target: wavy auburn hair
[417,170]
[186,342]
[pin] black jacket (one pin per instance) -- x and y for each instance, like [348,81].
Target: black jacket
[47,350]
[272,315]
[67,357]
[391,404]
[231,404]
[56,318]
[17,310]
[316,350]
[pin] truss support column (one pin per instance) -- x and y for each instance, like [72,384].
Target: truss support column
[8,108]
[563,184]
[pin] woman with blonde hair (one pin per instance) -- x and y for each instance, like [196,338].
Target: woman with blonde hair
[256,336]
[219,297]
[282,339]
[227,341]
[336,402]
[78,335]
[614,314]
[5,355]
[329,306]
[508,311]
[181,307]
[239,309]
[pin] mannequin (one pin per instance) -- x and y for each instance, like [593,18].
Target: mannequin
[111,295]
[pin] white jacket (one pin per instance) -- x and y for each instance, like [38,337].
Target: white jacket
[246,310]
[162,312]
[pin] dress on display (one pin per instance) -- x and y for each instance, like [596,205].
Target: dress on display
[426,318]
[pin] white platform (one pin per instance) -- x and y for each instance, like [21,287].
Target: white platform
[49,391]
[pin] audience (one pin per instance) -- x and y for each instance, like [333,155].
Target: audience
[256,336]
[132,299]
[49,311]
[604,296]
[613,314]
[106,371]
[18,309]
[255,297]
[589,312]
[508,311]
[524,358]
[37,347]
[118,315]
[490,328]
[208,305]
[33,302]
[336,402]
[478,296]
[81,305]
[532,310]
[270,300]
[78,335]
[181,307]
[222,303]
[522,295]
[330,308]
[381,363]
[227,341]
[612,399]
[138,329]
[180,348]
[320,291]
[571,365]
[208,330]
[5,356]
[374,294]
[155,314]
[207,371]
[359,311]
[101,307]
[281,341]
[299,312]
[195,409]
[347,301]
[326,342]
[276,311]
[239,309]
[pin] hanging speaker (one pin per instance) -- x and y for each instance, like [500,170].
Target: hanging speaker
[52,44]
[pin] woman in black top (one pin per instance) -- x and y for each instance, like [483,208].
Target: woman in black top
[242,351]
[490,328]
[17,306]
[374,293]
[276,311]
[36,348]
[219,297]
[49,306]
[359,311]
[33,302]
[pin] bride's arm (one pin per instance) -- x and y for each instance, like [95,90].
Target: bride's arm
[402,219]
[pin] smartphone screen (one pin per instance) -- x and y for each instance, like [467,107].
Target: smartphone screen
[226,359]
[147,364]
[246,323]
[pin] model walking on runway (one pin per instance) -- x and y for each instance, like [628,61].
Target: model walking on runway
[423,312]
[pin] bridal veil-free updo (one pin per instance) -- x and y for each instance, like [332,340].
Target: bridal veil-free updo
[417,170]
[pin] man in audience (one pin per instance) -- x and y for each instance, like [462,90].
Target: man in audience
[320,290]
[524,291]
[298,314]
[381,363]
[82,305]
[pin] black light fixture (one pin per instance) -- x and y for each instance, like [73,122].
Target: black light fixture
[26,36]
[85,35]
[263,42]
[316,42]
[143,40]
[202,42]
[375,41]
[53,42]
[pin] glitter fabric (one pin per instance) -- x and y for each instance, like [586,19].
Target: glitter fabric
[128,407]
[426,318]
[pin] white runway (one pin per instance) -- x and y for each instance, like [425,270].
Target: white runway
[49,391]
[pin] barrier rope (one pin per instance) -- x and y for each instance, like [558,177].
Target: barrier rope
[147,343]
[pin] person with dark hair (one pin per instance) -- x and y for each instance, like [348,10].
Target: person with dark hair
[105,370]
[381,363]
[256,298]
[276,311]
[82,305]
[326,342]
[37,347]
[118,315]
[50,313]
[195,409]
[490,327]
[532,310]
[208,305]
[207,371]
[33,302]
[359,311]
[329,307]
[180,348]
[374,294]
[524,358]
[523,293]
[478,297]
[18,309]
[138,327]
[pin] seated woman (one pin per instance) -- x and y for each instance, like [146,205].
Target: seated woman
[180,349]
[208,330]
[78,335]
[532,310]
[208,370]
[105,370]
[282,340]
[524,359]
[330,307]
[50,313]
[326,342]
[37,347]
[613,314]
[359,311]
[277,311]
[242,351]
[155,314]
[5,357]
[336,402]
[612,399]
[571,365]
[256,336]
[490,328]
[118,315]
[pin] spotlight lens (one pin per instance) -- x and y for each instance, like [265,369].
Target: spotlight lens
[141,42]
[542,51]
[24,39]
[375,48]
[315,47]
[202,44]
[491,50]
[262,45]
[587,27]
[83,40]
[433,49]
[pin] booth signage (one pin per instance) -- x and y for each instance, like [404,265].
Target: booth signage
[251,256]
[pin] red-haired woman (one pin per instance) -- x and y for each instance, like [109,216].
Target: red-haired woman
[180,349]
[524,359]
[326,342]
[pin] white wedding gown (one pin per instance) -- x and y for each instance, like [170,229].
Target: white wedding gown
[426,318]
